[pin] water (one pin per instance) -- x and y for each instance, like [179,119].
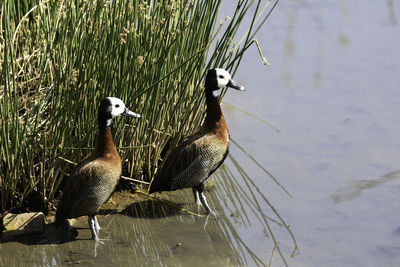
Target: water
[332,91]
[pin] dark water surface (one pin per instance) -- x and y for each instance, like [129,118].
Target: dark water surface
[333,93]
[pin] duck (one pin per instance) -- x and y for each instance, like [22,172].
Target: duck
[201,153]
[92,182]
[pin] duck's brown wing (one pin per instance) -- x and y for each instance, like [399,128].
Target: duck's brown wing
[190,163]
[176,162]
[76,184]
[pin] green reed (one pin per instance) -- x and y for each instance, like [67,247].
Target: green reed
[60,58]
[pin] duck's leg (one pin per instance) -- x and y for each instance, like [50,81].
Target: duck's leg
[200,188]
[92,223]
[96,225]
[196,199]
[196,196]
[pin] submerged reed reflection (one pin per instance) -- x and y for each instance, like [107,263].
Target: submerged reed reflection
[243,210]
[246,207]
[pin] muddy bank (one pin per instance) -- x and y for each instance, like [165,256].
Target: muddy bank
[35,227]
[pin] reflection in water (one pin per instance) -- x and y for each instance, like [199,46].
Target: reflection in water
[290,49]
[356,187]
[392,12]
[248,202]
[151,232]
[344,37]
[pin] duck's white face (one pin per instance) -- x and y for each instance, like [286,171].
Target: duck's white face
[223,78]
[117,108]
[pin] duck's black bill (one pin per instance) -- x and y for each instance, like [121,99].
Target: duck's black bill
[130,113]
[235,85]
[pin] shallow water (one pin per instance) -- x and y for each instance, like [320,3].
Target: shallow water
[332,91]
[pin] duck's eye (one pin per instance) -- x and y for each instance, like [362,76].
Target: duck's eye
[117,105]
[220,76]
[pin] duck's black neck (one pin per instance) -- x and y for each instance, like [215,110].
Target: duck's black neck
[103,120]
[214,113]
[103,127]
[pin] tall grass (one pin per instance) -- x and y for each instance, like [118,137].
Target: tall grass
[60,58]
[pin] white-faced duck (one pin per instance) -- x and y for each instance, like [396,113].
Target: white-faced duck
[91,184]
[201,153]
